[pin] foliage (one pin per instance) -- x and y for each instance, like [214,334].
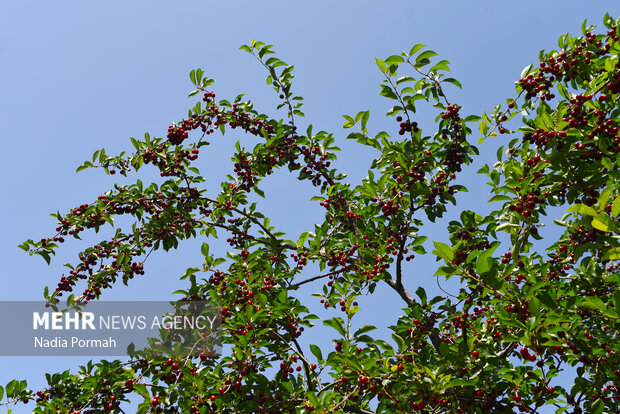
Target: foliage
[520,320]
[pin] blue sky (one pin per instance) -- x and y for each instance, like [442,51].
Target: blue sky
[78,76]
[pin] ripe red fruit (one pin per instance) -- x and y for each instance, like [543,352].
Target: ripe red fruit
[475,354]
[525,354]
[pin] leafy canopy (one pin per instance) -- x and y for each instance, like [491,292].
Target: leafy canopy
[523,316]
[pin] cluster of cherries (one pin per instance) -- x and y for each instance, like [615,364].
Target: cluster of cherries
[406,126]
[144,236]
[170,165]
[473,242]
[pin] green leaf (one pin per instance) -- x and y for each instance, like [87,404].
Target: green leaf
[534,306]
[500,197]
[472,118]
[483,127]
[606,162]
[444,251]
[422,295]
[45,255]
[615,208]
[204,249]
[350,121]
[337,323]
[604,197]
[388,92]
[316,351]
[603,222]
[425,55]
[362,117]
[84,166]
[265,50]
[526,71]
[312,399]
[364,329]
[612,254]
[381,65]
[582,209]
[598,406]
[258,191]
[415,49]
[394,60]
[441,65]
[400,342]
[303,237]
[404,79]
[484,262]
[394,110]
[190,271]
[445,271]
[544,121]
[593,302]
[453,82]
[141,389]
[460,382]
[11,389]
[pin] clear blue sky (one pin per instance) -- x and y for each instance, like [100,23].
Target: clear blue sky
[76,76]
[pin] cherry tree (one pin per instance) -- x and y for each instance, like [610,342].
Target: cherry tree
[523,315]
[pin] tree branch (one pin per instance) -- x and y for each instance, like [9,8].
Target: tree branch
[312,279]
[400,289]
